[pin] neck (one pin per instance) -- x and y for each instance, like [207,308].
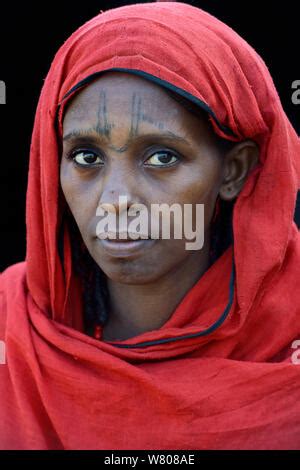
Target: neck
[136,309]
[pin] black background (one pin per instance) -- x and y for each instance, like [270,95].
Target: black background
[31,33]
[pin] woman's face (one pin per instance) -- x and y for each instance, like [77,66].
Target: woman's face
[125,136]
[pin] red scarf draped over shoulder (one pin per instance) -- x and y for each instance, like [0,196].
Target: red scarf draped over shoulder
[222,372]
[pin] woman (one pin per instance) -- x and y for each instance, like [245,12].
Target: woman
[148,345]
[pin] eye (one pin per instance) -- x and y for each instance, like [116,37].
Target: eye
[86,158]
[162,158]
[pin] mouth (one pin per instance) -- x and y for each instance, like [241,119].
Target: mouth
[124,248]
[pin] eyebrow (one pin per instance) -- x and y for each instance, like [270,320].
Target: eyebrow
[85,134]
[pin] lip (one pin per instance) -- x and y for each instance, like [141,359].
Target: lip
[125,248]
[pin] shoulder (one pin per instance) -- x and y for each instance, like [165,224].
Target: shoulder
[13,290]
[12,277]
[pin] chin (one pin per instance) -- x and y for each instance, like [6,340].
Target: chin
[129,273]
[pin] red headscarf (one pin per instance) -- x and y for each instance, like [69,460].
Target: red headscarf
[218,374]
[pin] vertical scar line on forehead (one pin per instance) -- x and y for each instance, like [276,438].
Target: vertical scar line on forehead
[103,126]
[135,115]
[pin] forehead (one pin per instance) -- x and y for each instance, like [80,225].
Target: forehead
[123,94]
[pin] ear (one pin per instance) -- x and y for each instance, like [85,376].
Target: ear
[238,162]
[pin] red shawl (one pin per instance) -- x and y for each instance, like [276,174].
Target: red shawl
[219,374]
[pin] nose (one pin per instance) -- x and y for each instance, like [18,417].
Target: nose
[119,192]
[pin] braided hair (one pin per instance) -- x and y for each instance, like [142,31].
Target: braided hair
[95,292]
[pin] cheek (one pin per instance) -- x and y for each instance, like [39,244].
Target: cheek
[68,185]
[200,185]
[79,199]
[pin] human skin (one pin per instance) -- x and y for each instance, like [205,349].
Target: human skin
[122,125]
